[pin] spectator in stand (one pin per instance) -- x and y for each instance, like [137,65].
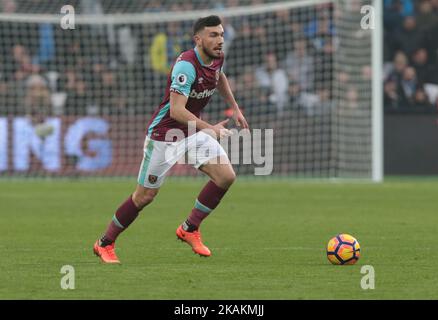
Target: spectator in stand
[426,72]
[323,61]
[431,31]
[78,93]
[165,48]
[325,104]
[408,86]
[367,73]
[8,6]
[397,68]
[299,66]
[46,46]
[112,101]
[320,29]
[108,98]
[352,97]
[274,79]
[4,97]
[37,99]
[248,92]
[392,21]
[294,95]
[426,18]
[410,37]
[391,97]
[282,29]
[22,62]
[406,6]
[393,17]
[421,100]
[349,104]
[245,40]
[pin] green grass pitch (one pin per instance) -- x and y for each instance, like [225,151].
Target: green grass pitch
[267,238]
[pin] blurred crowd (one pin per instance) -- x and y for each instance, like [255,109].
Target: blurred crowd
[278,61]
[411,55]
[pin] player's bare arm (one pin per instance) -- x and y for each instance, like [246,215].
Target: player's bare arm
[225,91]
[179,112]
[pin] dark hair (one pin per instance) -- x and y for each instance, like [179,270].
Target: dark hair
[210,21]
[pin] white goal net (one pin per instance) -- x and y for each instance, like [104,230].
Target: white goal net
[76,101]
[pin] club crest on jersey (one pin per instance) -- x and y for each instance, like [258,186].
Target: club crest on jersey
[152,179]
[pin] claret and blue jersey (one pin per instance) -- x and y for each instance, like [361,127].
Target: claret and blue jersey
[191,77]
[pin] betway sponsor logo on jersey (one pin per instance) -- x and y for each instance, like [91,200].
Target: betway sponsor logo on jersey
[201,95]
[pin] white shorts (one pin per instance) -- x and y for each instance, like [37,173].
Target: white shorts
[160,156]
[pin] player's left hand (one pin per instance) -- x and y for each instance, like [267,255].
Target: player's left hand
[240,119]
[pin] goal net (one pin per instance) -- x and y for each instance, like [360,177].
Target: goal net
[76,92]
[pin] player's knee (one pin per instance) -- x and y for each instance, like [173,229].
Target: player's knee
[227,179]
[231,178]
[142,199]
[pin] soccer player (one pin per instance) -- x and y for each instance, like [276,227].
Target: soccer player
[192,81]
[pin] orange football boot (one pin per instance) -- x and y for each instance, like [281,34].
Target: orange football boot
[194,240]
[107,253]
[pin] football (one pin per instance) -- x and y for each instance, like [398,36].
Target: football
[343,249]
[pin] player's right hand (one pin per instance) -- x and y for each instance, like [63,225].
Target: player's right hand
[220,130]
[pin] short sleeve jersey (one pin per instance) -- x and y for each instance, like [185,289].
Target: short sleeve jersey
[191,77]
